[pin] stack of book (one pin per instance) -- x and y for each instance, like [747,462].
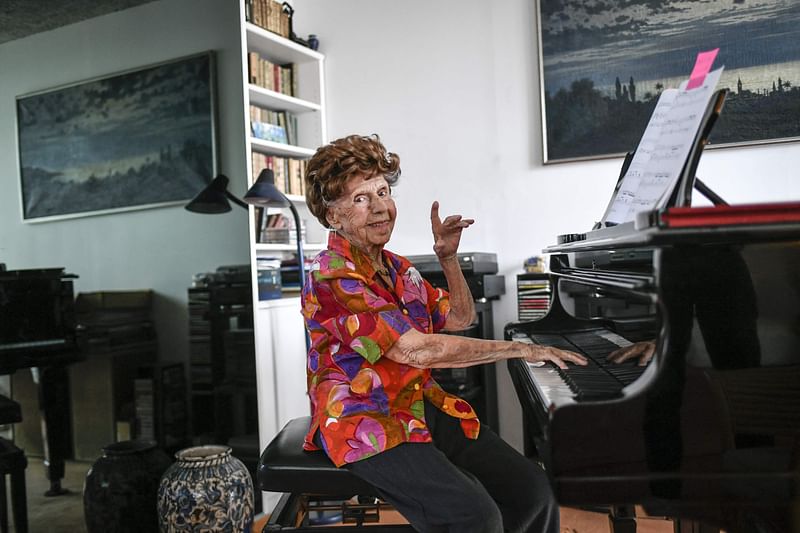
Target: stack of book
[145,407]
[200,338]
[173,410]
[290,274]
[288,172]
[270,15]
[275,126]
[533,296]
[279,229]
[271,76]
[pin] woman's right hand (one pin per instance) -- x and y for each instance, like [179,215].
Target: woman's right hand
[537,354]
[447,233]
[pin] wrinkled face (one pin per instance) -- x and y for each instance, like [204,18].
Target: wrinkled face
[365,213]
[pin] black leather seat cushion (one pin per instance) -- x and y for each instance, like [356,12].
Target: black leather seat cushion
[10,411]
[286,467]
[11,458]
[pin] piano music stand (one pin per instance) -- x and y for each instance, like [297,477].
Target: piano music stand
[681,193]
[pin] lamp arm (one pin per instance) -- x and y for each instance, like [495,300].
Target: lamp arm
[235,200]
[300,256]
[301,262]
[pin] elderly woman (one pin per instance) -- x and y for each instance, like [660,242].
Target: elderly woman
[373,323]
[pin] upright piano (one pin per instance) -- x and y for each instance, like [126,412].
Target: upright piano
[708,429]
[38,330]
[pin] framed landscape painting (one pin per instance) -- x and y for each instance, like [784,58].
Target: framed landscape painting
[134,140]
[604,63]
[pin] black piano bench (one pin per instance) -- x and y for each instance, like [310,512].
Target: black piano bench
[311,485]
[13,463]
[10,411]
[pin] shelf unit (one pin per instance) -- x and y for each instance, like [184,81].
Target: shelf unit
[533,295]
[308,105]
[221,360]
[278,326]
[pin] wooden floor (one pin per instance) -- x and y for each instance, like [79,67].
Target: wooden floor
[64,514]
[572,521]
[579,521]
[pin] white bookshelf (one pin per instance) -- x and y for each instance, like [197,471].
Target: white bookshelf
[278,328]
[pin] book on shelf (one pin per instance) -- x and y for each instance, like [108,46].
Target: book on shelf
[268,132]
[279,229]
[271,76]
[291,128]
[269,15]
[288,172]
[272,125]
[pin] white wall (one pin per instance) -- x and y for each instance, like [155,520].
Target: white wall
[154,248]
[452,87]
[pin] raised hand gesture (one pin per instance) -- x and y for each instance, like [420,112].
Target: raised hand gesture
[447,233]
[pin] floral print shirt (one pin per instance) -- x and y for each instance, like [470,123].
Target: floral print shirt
[363,403]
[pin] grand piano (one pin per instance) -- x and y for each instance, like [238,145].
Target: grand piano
[38,331]
[708,430]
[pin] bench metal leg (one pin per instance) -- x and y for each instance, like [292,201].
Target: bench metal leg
[291,514]
[622,519]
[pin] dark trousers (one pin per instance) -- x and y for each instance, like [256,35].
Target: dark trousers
[462,485]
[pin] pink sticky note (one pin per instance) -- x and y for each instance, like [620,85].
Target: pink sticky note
[702,66]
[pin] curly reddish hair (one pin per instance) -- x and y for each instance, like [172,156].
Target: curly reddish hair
[336,162]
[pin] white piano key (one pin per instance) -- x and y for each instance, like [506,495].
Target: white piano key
[550,386]
[610,336]
[548,382]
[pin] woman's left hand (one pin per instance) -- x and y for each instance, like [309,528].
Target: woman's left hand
[643,351]
[447,233]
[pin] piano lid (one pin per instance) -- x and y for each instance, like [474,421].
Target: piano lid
[36,308]
[728,215]
[35,273]
[692,225]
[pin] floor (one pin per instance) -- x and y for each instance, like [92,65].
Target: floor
[572,521]
[64,514]
[60,514]
[579,521]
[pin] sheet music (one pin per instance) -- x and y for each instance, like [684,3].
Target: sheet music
[663,150]
[625,199]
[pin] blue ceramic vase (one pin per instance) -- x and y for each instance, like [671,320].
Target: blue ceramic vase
[119,492]
[205,489]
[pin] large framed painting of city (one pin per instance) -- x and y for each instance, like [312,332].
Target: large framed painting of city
[604,63]
[132,140]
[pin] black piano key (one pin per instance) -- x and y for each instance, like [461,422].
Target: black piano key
[599,379]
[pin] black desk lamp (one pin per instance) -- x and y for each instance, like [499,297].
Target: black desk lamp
[264,194]
[214,198]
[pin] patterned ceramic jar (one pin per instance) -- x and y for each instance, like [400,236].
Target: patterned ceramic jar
[206,489]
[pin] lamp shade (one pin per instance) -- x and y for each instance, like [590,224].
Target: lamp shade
[213,199]
[264,193]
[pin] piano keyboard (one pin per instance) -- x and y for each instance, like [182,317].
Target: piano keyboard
[598,380]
